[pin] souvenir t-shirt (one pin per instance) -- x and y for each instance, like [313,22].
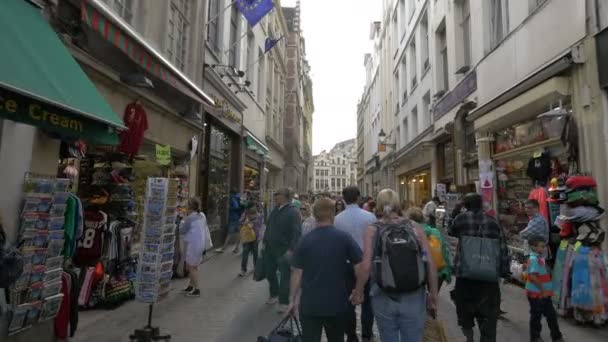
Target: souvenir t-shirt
[90,246]
[539,168]
[326,257]
[137,123]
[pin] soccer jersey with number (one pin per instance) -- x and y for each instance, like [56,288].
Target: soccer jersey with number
[90,246]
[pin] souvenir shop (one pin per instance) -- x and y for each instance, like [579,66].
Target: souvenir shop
[255,155]
[537,157]
[42,214]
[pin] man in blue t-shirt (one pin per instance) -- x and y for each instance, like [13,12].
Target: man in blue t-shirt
[321,277]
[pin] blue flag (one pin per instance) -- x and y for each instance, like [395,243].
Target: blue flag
[254,10]
[270,43]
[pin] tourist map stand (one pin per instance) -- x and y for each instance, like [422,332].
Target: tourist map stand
[155,268]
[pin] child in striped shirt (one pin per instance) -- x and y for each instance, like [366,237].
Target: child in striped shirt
[539,289]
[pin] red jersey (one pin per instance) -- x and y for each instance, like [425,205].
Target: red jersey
[90,245]
[137,123]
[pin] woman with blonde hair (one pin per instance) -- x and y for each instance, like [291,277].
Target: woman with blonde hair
[193,231]
[400,315]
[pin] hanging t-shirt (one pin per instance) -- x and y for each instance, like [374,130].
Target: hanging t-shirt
[90,246]
[137,123]
[540,195]
[539,168]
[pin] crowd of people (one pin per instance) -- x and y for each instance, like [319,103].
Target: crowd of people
[323,257]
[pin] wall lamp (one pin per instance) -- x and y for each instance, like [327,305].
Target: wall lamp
[382,139]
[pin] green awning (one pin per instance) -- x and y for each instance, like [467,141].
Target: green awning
[255,145]
[42,85]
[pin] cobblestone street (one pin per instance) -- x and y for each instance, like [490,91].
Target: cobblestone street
[232,309]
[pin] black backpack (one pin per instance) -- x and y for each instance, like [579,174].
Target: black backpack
[398,264]
[11,263]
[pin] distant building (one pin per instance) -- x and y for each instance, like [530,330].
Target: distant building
[336,169]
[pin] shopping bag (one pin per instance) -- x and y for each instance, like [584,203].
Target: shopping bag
[259,272]
[479,258]
[434,331]
[288,330]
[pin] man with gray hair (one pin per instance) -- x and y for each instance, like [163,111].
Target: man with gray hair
[283,231]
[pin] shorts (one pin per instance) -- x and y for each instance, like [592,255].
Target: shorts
[233,227]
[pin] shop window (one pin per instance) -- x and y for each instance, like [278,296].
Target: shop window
[220,154]
[529,132]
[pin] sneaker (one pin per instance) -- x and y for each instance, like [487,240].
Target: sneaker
[219,250]
[242,274]
[194,293]
[282,308]
[188,289]
[272,300]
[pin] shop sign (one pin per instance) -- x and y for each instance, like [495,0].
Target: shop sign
[441,191]
[456,96]
[225,110]
[163,155]
[19,108]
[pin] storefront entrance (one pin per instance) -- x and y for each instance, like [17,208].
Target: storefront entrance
[220,156]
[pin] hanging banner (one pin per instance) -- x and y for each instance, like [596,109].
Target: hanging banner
[163,155]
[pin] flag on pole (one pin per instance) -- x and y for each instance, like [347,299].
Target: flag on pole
[270,43]
[254,10]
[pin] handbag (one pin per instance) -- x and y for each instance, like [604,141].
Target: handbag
[283,333]
[479,258]
[259,272]
[247,233]
[434,331]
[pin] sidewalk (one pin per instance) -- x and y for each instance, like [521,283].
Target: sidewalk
[232,309]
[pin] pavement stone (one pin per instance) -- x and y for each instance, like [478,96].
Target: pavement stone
[232,309]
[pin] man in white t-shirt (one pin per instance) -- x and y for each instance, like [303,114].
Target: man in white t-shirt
[429,211]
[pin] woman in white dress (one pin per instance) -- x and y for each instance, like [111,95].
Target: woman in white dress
[194,232]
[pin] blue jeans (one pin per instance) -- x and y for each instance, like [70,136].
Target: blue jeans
[401,318]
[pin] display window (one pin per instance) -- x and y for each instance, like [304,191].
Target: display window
[220,155]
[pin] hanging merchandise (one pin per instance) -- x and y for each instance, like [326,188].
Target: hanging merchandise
[137,123]
[36,296]
[163,155]
[155,268]
[580,272]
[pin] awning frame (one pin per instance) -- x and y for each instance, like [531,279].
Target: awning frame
[117,20]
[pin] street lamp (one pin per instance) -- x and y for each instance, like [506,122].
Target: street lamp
[382,142]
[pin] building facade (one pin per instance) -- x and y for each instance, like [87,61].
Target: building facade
[335,169]
[466,76]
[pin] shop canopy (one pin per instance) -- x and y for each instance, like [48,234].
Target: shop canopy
[42,85]
[255,145]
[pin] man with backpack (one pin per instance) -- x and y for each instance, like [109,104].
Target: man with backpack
[396,252]
[481,260]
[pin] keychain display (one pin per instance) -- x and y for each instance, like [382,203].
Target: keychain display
[41,237]
[155,268]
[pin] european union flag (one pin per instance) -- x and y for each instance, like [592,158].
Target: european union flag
[254,10]
[270,43]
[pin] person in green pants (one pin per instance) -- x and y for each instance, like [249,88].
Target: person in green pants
[283,231]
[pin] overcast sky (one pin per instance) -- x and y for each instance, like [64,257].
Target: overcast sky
[336,33]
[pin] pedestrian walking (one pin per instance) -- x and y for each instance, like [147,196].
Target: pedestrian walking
[322,265]
[340,206]
[251,226]
[478,299]
[354,221]
[308,221]
[438,247]
[429,211]
[398,249]
[235,210]
[539,290]
[194,231]
[283,231]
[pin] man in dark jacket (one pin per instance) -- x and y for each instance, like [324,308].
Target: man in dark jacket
[478,300]
[283,231]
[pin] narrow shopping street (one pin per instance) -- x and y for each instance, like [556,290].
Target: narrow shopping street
[232,309]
